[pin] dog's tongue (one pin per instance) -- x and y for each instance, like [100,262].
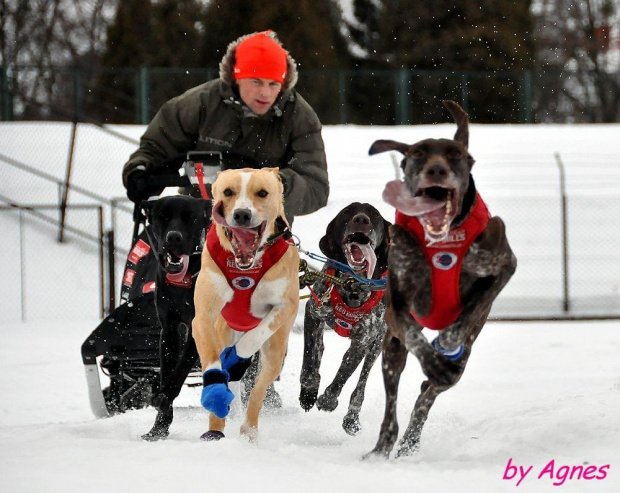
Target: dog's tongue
[244,243]
[361,251]
[243,239]
[397,194]
[179,277]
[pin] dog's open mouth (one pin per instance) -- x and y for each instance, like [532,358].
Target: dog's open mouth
[245,242]
[437,222]
[360,253]
[176,263]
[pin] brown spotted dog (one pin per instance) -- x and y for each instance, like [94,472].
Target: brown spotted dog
[357,237]
[448,261]
[247,292]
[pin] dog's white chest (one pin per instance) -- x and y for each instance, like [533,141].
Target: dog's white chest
[267,295]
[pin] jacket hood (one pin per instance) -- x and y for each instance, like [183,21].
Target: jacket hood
[228,63]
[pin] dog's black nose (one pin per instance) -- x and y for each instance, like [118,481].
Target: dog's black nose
[242,217]
[361,219]
[437,171]
[174,237]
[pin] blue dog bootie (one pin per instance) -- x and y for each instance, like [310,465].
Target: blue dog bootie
[234,364]
[216,396]
[453,354]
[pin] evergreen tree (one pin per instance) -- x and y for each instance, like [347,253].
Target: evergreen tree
[454,36]
[148,34]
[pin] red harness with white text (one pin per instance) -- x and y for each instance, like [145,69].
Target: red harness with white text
[243,281]
[346,316]
[445,259]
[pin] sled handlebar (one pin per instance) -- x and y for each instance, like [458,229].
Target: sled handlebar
[163,181]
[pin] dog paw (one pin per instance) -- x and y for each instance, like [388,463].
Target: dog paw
[351,424]
[250,433]
[376,455]
[441,371]
[155,435]
[216,398]
[272,399]
[326,403]
[212,436]
[307,398]
[407,449]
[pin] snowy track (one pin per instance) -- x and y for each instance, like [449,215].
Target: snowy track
[531,392]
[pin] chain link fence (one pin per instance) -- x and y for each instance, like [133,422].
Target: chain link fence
[52,280]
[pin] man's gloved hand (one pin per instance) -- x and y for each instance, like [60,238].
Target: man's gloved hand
[137,186]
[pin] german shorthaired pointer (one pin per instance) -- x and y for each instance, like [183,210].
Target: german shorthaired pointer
[448,261]
[357,236]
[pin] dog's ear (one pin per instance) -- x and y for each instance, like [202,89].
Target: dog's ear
[382,249]
[462,122]
[328,244]
[470,161]
[387,145]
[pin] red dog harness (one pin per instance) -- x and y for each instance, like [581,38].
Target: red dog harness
[243,281]
[347,317]
[445,259]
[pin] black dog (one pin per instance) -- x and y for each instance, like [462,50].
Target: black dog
[176,228]
[357,236]
[448,261]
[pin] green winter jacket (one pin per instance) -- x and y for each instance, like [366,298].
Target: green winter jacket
[212,117]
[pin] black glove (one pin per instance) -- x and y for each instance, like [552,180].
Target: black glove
[137,186]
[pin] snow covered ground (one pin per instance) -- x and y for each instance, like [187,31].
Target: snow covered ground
[532,392]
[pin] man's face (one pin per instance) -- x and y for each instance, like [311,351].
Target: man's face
[259,94]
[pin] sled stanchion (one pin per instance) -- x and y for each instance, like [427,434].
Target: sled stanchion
[111,271]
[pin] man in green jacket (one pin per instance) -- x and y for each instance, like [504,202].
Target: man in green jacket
[252,114]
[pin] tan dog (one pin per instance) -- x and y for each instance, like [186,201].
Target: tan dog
[247,292]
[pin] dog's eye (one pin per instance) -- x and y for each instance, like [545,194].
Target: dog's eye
[374,214]
[262,193]
[228,192]
[418,154]
[455,154]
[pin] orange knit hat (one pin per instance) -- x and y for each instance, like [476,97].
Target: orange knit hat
[260,57]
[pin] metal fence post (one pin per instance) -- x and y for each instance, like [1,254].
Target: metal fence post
[465,92]
[22,265]
[101,263]
[144,95]
[525,97]
[402,101]
[565,278]
[7,99]
[67,183]
[342,95]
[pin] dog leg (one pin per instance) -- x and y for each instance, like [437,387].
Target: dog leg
[350,361]
[410,441]
[310,377]
[394,360]
[351,421]
[168,359]
[272,359]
